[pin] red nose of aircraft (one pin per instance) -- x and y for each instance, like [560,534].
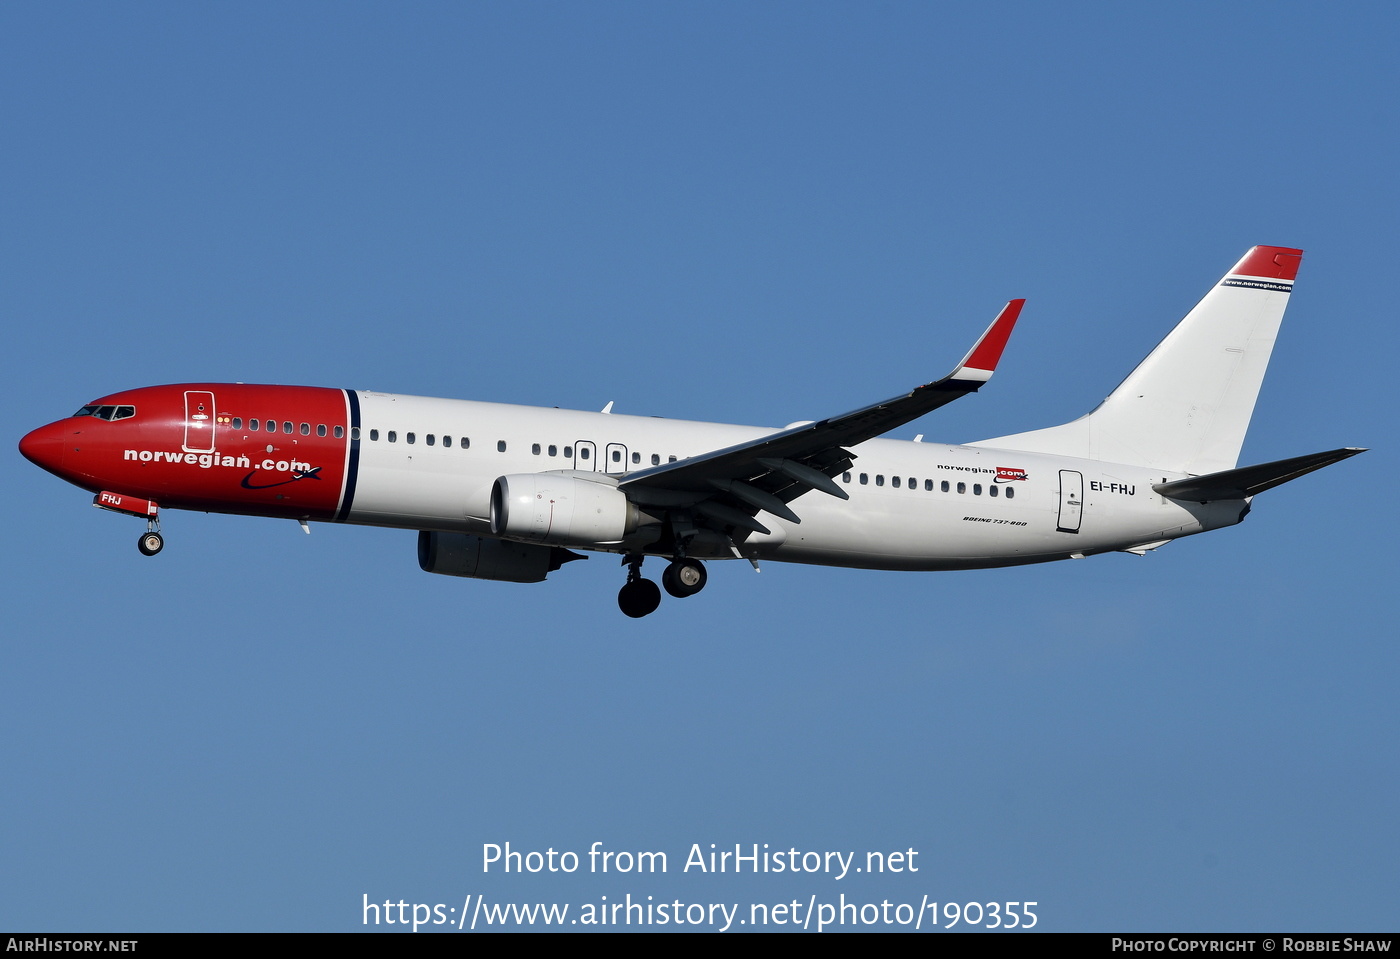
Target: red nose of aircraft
[44,447]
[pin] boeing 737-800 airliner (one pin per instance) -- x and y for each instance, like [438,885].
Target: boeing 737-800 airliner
[509,492]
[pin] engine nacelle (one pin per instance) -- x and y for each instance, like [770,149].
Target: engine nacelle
[478,557]
[560,508]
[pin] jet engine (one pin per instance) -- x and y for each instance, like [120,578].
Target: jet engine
[479,557]
[562,509]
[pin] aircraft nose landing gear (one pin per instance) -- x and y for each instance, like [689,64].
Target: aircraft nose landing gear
[638,597]
[150,543]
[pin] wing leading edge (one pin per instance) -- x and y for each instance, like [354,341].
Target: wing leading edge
[727,487]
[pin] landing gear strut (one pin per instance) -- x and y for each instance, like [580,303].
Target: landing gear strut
[684,577]
[638,597]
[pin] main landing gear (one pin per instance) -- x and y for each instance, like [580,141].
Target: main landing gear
[684,577]
[640,597]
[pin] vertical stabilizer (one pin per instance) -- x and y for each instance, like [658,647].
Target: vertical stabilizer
[1187,406]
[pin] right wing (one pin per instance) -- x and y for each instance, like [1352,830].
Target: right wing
[726,487]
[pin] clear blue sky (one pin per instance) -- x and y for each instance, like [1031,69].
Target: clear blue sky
[752,213]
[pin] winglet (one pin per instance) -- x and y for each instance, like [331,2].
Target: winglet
[981,361]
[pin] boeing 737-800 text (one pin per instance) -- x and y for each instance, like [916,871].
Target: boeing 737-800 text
[509,492]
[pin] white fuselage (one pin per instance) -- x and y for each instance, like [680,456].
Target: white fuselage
[914,506]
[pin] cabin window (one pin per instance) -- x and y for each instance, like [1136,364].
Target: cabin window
[354,433]
[535,448]
[962,487]
[500,446]
[410,438]
[992,491]
[374,435]
[864,478]
[464,442]
[617,456]
[553,450]
[237,423]
[846,477]
[879,479]
[913,483]
[447,441]
[253,425]
[306,429]
[636,458]
[976,489]
[287,428]
[928,486]
[568,452]
[1011,492]
[340,432]
[430,439]
[321,430]
[671,458]
[895,481]
[655,459]
[393,436]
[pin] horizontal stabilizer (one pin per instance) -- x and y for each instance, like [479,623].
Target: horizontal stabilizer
[1249,480]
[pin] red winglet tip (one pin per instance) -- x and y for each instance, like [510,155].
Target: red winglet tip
[1270,262]
[987,353]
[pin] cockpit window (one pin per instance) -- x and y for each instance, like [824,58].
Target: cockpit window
[108,412]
